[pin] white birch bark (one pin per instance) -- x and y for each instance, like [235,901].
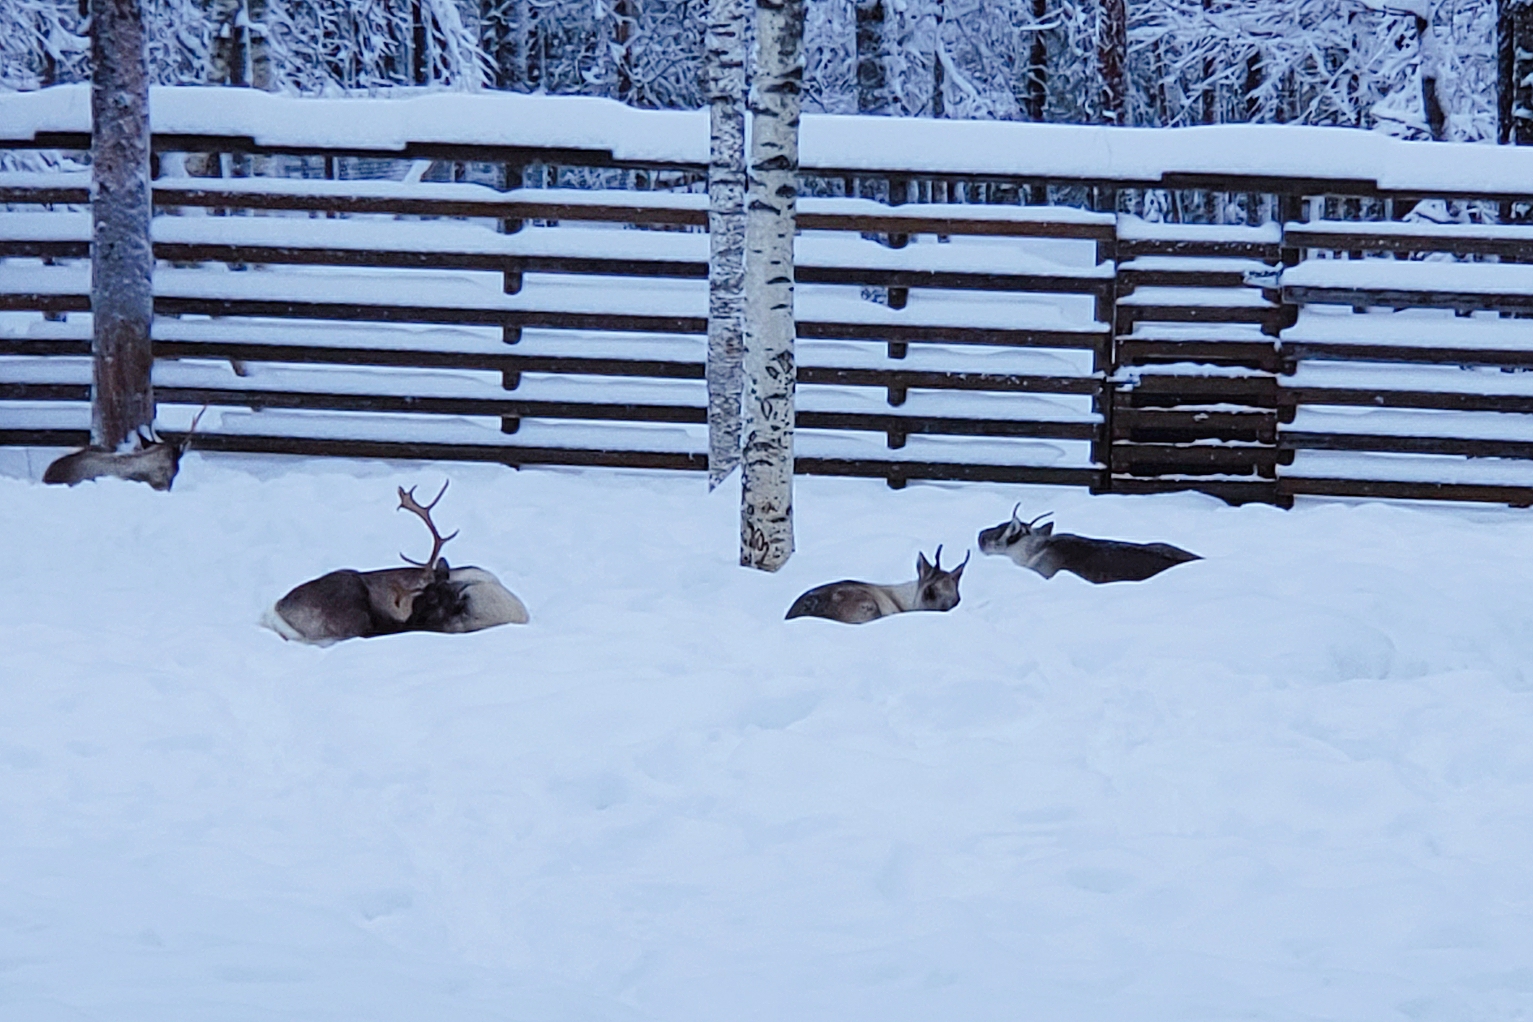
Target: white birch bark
[766,490]
[726,233]
[122,262]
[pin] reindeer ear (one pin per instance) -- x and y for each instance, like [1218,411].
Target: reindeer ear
[1046,529]
[923,568]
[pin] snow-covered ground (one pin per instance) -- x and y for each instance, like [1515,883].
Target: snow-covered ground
[1291,781]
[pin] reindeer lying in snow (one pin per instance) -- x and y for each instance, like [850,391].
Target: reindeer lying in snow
[1096,560]
[155,462]
[429,596]
[856,603]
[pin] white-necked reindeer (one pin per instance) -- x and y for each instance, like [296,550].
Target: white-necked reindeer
[428,596]
[155,462]
[854,603]
[1096,560]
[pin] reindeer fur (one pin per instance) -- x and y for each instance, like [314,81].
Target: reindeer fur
[854,603]
[430,596]
[1036,547]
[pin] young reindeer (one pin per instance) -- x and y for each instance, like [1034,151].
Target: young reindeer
[428,596]
[1096,560]
[855,603]
[156,462]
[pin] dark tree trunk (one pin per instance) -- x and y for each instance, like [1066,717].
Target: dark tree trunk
[624,21]
[1514,25]
[872,64]
[231,43]
[1112,57]
[1426,46]
[939,73]
[1254,75]
[420,56]
[1037,66]
[504,30]
[122,262]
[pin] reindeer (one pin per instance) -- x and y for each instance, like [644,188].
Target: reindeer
[1096,560]
[428,596]
[156,462]
[855,603]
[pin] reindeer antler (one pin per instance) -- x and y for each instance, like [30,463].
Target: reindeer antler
[407,502]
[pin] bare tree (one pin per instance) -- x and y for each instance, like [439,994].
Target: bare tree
[122,262]
[727,29]
[766,492]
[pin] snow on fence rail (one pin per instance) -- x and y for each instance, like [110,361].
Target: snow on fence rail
[1019,343]
[1272,158]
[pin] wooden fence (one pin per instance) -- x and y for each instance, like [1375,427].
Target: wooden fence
[938,340]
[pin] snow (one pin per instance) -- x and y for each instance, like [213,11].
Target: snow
[481,292]
[1411,275]
[1288,781]
[1426,328]
[827,142]
[968,255]
[1133,228]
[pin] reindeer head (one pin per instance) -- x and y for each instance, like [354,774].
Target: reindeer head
[937,589]
[1016,538]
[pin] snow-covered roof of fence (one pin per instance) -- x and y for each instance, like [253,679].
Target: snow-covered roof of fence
[444,118]
[857,144]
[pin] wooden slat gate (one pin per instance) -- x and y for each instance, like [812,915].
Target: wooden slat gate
[1148,357]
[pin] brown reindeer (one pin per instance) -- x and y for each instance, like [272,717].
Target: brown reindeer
[1096,560]
[854,603]
[428,596]
[155,462]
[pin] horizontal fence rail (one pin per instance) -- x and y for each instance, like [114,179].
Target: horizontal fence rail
[1337,348]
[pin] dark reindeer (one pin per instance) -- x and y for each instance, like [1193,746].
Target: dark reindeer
[156,462]
[428,596]
[855,603]
[1096,560]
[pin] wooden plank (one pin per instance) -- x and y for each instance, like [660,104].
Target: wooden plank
[1399,298]
[1231,491]
[1517,496]
[595,411]
[1133,248]
[44,437]
[1130,278]
[1134,352]
[44,391]
[1384,398]
[616,458]
[1162,459]
[1390,444]
[1333,351]
[1155,425]
[1361,240]
[899,472]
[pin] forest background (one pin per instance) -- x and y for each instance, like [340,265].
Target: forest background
[1418,69]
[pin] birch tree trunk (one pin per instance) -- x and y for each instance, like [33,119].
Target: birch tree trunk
[766,492]
[122,262]
[726,233]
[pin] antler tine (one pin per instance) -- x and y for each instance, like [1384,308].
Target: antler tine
[1014,512]
[407,502]
[1040,518]
[937,562]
